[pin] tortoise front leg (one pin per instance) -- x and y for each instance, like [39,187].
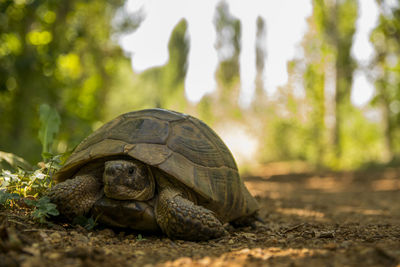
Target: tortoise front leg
[76,196]
[180,218]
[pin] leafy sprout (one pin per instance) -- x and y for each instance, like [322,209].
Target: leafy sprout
[49,126]
[43,208]
[28,184]
[87,223]
[6,197]
[140,238]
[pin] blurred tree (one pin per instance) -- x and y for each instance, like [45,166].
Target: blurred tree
[55,52]
[228,48]
[224,101]
[168,80]
[331,131]
[261,54]
[386,72]
[316,59]
[336,25]
[161,87]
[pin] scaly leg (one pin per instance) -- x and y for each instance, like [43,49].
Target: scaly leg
[76,196]
[180,218]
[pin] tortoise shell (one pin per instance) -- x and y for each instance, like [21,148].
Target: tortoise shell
[178,144]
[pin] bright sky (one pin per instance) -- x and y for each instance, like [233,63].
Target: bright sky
[362,51]
[286,25]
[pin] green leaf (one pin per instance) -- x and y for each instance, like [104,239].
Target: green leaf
[43,208]
[140,237]
[49,126]
[11,161]
[30,202]
[87,223]
[5,197]
[52,209]
[47,155]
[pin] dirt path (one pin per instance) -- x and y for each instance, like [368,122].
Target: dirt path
[328,219]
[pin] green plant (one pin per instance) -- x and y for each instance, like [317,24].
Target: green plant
[12,162]
[49,126]
[87,223]
[25,183]
[140,238]
[43,208]
[6,198]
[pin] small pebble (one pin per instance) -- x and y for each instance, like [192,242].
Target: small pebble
[54,256]
[55,236]
[330,246]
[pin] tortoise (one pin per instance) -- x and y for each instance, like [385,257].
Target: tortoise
[155,169]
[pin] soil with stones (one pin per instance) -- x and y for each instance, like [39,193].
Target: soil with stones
[311,219]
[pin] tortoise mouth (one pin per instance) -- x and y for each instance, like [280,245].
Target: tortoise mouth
[121,192]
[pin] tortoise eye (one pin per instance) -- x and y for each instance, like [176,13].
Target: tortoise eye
[131,170]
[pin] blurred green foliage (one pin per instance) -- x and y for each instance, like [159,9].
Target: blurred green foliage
[26,183]
[49,126]
[59,53]
[322,126]
[385,70]
[161,87]
[6,198]
[225,101]
[65,54]
[87,223]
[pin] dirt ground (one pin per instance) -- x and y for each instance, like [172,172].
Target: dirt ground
[312,219]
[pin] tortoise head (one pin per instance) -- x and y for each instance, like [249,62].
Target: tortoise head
[128,180]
